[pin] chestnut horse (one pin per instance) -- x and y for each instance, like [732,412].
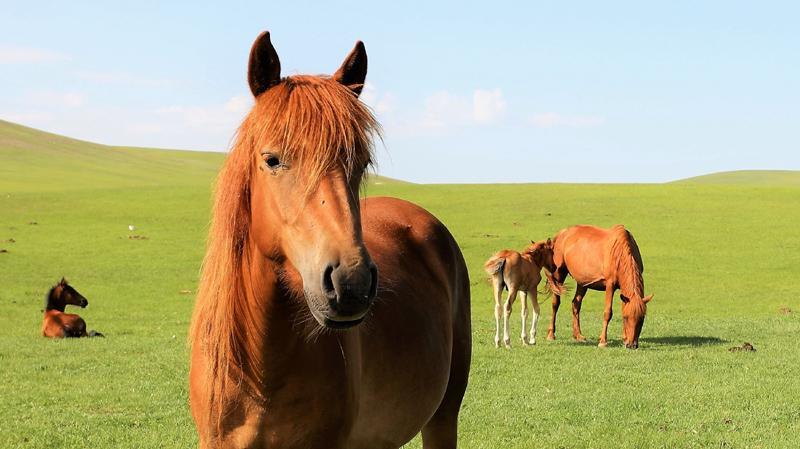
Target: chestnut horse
[56,323]
[606,260]
[518,273]
[294,342]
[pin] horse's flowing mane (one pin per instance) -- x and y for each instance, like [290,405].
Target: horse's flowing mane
[313,123]
[625,253]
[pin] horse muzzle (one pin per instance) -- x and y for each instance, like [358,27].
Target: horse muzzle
[348,292]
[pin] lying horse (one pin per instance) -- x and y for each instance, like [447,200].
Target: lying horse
[518,272]
[601,259]
[56,323]
[296,340]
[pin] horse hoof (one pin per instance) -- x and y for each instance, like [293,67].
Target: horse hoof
[551,337]
[580,339]
[532,342]
[602,344]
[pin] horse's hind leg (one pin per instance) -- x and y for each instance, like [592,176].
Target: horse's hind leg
[535,304]
[497,291]
[524,317]
[512,295]
[580,292]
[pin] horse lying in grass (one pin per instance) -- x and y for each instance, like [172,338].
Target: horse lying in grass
[56,323]
[518,273]
[605,260]
[295,341]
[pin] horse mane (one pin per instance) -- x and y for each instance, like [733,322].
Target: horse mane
[625,254]
[313,123]
[48,297]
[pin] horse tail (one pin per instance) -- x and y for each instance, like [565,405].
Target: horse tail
[94,333]
[628,263]
[494,267]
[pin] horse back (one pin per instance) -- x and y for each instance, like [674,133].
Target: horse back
[63,325]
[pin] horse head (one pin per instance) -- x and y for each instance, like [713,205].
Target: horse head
[309,142]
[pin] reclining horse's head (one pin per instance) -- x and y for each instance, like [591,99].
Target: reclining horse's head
[310,144]
[61,295]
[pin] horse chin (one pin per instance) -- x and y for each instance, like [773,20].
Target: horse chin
[331,320]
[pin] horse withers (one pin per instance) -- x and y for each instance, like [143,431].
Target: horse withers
[323,321]
[518,272]
[605,260]
[56,323]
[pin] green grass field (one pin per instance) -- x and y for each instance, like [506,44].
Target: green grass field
[721,258]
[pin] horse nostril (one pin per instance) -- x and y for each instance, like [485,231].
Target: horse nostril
[373,286]
[327,283]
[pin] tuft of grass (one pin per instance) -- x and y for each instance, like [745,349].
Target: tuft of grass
[721,259]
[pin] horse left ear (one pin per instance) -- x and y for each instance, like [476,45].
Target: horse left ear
[647,298]
[353,71]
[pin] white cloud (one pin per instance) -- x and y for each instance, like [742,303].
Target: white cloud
[27,55]
[125,78]
[382,103]
[239,104]
[48,98]
[444,109]
[553,119]
[217,117]
[488,105]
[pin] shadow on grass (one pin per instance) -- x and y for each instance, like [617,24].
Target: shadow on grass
[684,340]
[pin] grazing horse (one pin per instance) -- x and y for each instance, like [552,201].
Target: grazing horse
[606,260]
[56,323]
[518,273]
[296,339]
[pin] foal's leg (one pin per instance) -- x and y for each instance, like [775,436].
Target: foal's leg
[512,295]
[535,304]
[524,315]
[607,314]
[497,290]
[580,292]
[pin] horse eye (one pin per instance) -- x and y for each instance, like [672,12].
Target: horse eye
[273,161]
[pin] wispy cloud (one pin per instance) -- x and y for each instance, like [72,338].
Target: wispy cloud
[123,78]
[488,105]
[50,99]
[10,54]
[215,117]
[554,119]
[444,109]
[381,102]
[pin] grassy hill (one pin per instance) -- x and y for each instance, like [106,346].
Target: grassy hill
[721,259]
[34,160]
[749,177]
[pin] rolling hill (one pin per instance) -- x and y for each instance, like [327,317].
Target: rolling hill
[748,177]
[34,160]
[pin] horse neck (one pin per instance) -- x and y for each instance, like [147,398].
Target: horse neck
[54,302]
[274,318]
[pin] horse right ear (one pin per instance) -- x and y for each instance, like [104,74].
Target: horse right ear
[264,68]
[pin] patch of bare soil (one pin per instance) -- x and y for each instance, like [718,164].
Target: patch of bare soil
[745,347]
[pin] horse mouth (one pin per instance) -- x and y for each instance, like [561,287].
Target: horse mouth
[334,324]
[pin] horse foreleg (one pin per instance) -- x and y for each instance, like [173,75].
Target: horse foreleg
[512,295]
[551,332]
[497,290]
[607,314]
[580,292]
[535,304]
[524,316]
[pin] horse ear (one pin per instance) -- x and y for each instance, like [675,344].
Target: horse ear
[264,68]
[353,71]
[532,242]
[63,281]
[647,298]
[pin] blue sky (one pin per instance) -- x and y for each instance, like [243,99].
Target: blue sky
[467,92]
